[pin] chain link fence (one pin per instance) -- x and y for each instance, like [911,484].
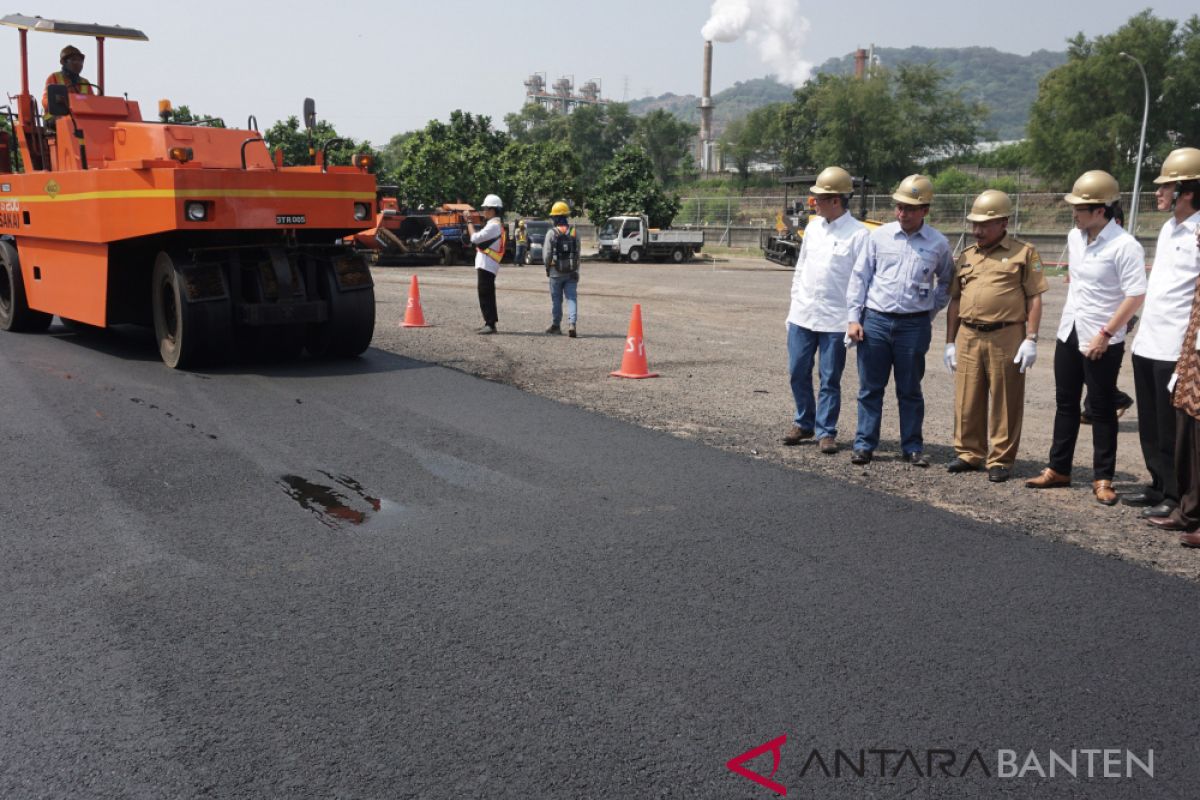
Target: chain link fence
[1034,214]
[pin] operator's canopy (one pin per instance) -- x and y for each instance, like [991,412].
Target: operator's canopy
[43,25]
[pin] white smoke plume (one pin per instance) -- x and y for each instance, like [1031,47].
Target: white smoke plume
[774,27]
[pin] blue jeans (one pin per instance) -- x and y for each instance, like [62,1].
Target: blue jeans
[897,345]
[563,284]
[519,255]
[803,345]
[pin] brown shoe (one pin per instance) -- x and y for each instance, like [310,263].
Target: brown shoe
[1049,479]
[1104,492]
[828,445]
[1189,539]
[1166,523]
[796,435]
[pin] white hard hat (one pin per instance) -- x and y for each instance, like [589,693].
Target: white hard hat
[492,201]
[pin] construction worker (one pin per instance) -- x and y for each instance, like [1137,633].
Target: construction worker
[71,60]
[899,283]
[522,244]
[832,243]
[991,338]
[490,243]
[1108,284]
[1164,317]
[560,254]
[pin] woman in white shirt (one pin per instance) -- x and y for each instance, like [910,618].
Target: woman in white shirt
[490,242]
[1108,284]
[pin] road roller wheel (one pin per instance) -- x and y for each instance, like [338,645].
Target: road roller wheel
[351,323]
[15,313]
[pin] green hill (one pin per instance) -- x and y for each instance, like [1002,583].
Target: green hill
[1005,82]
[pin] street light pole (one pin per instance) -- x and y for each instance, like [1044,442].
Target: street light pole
[1137,172]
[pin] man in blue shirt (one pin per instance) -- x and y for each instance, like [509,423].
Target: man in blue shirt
[899,283]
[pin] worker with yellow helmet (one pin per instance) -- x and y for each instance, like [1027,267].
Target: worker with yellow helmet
[560,254]
[991,338]
[1159,343]
[1108,284]
[899,283]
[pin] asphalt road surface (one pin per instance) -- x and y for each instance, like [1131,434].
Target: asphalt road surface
[382,579]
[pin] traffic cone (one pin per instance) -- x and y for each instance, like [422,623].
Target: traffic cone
[633,362]
[413,316]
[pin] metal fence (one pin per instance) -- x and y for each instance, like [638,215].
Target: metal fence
[1034,214]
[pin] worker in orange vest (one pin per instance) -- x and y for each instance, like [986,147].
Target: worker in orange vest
[70,76]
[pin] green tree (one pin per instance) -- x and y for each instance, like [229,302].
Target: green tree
[459,161]
[668,143]
[536,174]
[184,116]
[296,142]
[889,124]
[593,133]
[741,144]
[627,186]
[1088,112]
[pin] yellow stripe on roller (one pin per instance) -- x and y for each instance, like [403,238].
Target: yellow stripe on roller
[187,194]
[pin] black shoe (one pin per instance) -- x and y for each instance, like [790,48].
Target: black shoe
[571,331]
[1085,418]
[999,474]
[958,465]
[486,330]
[1146,497]
[554,328]
[861,457]
[917,459]
[1124,403]
[1163,509]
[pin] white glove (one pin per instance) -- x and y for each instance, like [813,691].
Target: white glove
[850,342]
[951,358]
[1026,354]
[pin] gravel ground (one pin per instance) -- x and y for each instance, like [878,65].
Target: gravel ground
[715,331]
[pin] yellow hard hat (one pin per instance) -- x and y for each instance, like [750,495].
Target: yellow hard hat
[560,209]
[1181,165]
[915,190]
[1094,187]
[833,180]
[68,51]
[992,204]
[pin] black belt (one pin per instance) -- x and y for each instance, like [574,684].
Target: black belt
[986,327]
[891,315]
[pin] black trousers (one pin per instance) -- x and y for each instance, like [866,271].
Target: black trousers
[487,296]
[1156,423]
[1072,371]
[1187,469]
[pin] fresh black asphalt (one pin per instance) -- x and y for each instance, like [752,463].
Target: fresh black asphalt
[384,579]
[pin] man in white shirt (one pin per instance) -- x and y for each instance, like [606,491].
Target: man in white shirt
[817,317]
[1165,316]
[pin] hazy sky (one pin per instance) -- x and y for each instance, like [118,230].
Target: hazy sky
[380,68]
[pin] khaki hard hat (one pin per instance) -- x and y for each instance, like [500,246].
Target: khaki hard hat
[992,204]
[915,190]
[560,209]
[1181,165]
[1094,187]
[68,51]
[833,180]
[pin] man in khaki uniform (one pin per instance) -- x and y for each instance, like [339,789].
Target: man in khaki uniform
[991,338]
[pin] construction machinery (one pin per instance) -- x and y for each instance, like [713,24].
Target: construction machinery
[631,237]
[782,244]
[402,237]
[199,231]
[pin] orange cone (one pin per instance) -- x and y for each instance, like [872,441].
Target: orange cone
[633,362]
[414,317]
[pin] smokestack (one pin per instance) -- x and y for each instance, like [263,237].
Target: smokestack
[706,106]
[860,63]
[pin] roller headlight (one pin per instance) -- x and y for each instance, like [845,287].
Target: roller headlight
[195,212]
[361,211]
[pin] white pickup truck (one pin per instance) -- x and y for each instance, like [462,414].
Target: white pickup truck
[632,238]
